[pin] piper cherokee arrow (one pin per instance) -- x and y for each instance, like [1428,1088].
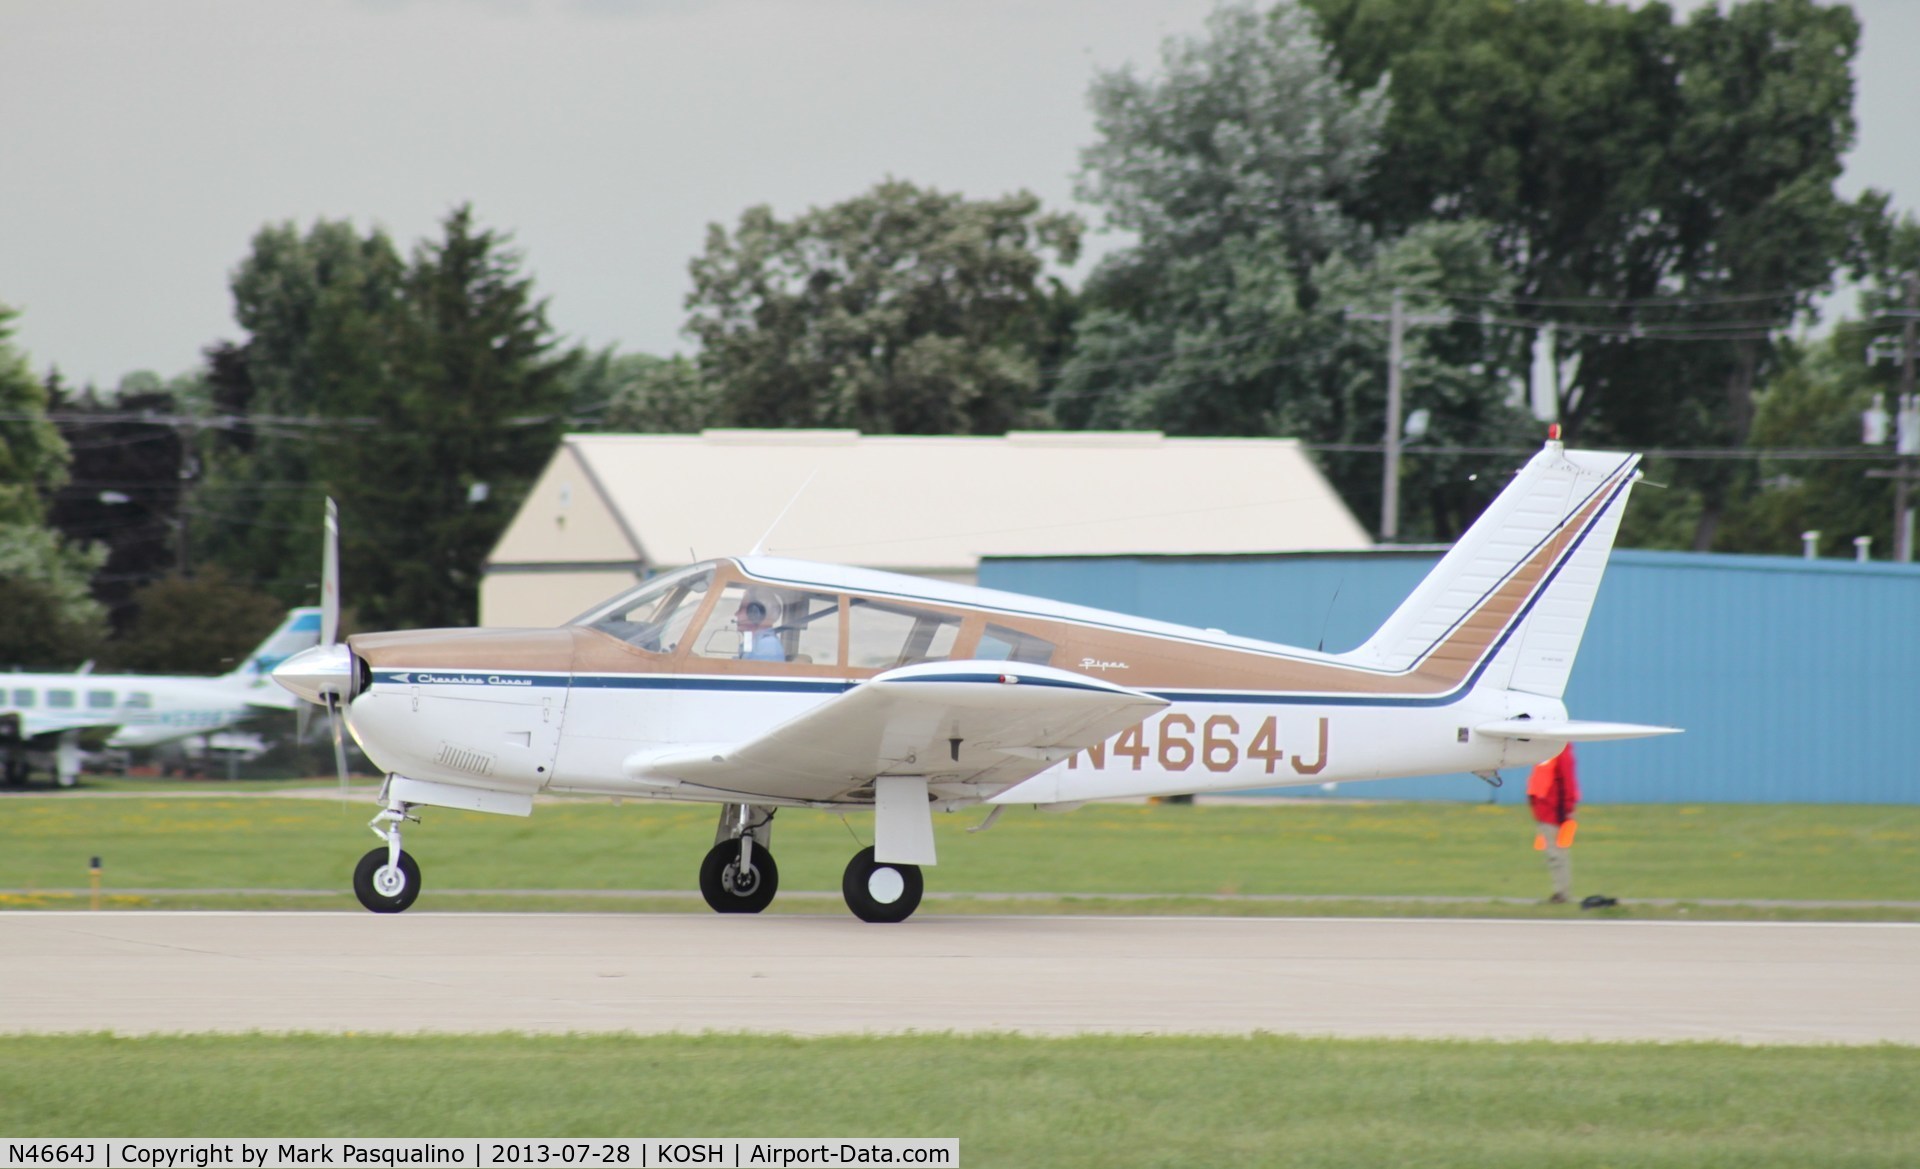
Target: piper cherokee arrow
[758,683]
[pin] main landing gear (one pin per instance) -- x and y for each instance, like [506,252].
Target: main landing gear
[739,874]
[880,892]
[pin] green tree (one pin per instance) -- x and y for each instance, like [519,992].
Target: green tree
[48,620]
[1813,403]
[476,399]
[33,456]
[423,395]
[201,625]
[641,393]
[1662,188]
[1231,314]
[1245,133]
[901,311]
[127,489]
[321,310]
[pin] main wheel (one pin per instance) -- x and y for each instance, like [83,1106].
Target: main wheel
[386,889]
[728,889]
[881,892]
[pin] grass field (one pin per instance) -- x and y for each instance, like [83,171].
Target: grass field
[1089,1101]
[1160,857]
[1095,1101]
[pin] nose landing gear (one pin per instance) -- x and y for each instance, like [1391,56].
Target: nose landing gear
[387,879]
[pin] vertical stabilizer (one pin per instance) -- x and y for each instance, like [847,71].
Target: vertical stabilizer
[300,630]
[1508,604]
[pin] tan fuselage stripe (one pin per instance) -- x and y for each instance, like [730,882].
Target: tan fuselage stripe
[1139,660]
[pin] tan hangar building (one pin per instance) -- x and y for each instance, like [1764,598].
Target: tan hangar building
[611,509]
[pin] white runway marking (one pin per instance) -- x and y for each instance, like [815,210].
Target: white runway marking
[1764,982]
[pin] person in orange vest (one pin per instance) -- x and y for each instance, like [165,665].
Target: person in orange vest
[1553,791]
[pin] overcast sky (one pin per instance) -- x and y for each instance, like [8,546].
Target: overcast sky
[143,143]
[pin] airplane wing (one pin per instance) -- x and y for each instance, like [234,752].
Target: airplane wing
[34,724]
[989,724]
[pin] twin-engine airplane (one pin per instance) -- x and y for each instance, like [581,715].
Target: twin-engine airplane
[758,684]
[47,712]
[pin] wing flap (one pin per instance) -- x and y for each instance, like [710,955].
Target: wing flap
[990,724]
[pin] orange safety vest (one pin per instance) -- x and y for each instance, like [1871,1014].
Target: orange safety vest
[1553,791]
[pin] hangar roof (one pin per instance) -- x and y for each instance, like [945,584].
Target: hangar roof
[926,504]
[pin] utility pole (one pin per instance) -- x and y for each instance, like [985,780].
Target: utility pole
[1397,319]
[1904,439]
[1906,426]
[1390,473]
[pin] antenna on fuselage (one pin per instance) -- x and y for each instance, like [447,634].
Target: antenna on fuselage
[760,545]
[1328,619]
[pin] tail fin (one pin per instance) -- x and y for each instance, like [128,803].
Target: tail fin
[300,630]
[1507,606]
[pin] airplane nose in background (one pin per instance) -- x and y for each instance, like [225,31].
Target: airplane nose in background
[314,674]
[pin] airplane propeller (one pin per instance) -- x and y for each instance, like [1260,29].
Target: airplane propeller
[330,630]
[324,675]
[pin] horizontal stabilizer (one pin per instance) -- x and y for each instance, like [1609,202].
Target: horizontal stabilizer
[1569,730]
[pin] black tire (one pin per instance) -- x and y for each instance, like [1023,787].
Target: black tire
[857,886]
[371,896]
[723,887]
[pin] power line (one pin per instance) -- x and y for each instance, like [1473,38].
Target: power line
[1675,301]
[1729,454]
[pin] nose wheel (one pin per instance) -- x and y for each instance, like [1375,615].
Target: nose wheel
[881,892]
[384,887]
[387,879]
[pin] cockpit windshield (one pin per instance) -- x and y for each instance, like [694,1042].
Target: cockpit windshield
[654,615]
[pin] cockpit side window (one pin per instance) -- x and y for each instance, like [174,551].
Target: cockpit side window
[759,623]
[655,616]
[881,635]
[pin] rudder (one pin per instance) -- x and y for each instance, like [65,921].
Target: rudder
[1508,604]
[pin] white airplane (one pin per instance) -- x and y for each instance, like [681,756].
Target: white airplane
[48,711]
[759,683]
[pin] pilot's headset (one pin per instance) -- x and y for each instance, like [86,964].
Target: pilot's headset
[760,607]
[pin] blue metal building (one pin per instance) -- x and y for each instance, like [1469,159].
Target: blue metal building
[1795,679]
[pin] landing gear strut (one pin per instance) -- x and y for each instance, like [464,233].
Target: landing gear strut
[739,874]
[387,879]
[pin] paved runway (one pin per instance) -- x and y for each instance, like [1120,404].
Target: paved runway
[1750,982]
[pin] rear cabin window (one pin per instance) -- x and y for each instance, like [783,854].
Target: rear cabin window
[60,699]
[1000,644]
[882,636]
[24,697]
[99,700]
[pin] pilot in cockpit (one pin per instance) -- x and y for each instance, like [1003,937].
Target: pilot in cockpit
[755,620]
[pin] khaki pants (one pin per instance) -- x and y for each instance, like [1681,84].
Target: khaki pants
[1559,861]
